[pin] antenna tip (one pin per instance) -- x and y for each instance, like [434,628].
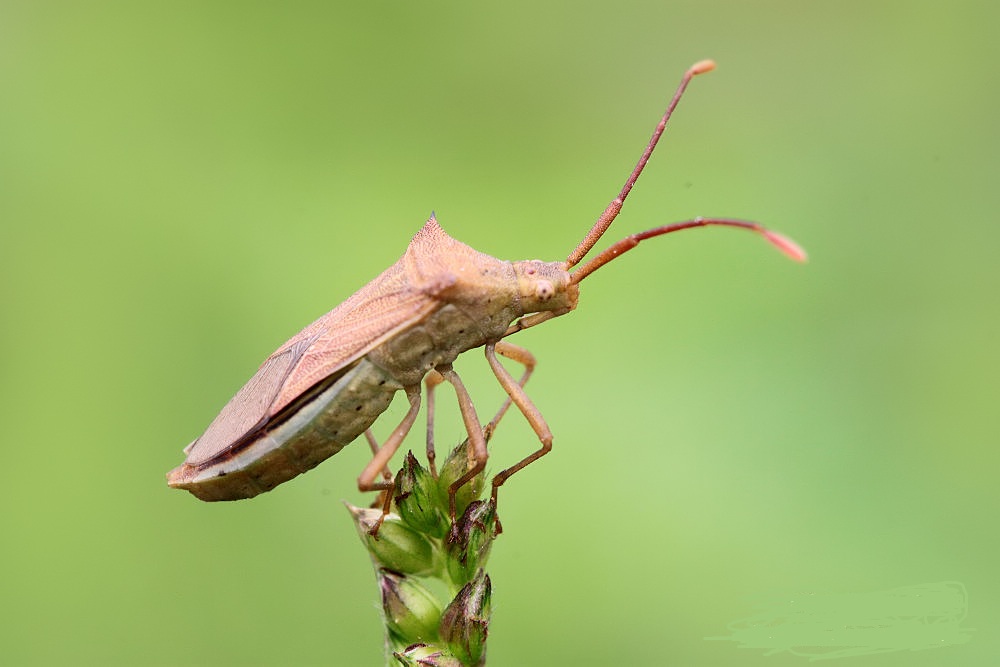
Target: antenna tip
[786,245]
[702,66]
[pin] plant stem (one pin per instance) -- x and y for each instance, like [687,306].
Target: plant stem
[435,593]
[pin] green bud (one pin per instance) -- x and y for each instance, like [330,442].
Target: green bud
[470,539]
[396,546]
[456,465]
[423,655]
[418,501]
[464,624]
[411,612]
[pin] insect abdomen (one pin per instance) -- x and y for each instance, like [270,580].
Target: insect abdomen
[297,440]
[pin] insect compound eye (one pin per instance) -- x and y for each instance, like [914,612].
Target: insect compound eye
[544,290]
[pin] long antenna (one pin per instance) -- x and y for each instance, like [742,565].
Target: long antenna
[611,212]
[779,241]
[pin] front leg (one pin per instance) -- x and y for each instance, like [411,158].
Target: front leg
[521,356]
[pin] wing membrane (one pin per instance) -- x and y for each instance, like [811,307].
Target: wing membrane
[374,313]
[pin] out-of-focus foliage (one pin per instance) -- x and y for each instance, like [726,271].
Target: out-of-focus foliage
[185,185]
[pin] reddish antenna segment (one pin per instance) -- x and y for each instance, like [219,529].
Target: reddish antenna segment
[781,242]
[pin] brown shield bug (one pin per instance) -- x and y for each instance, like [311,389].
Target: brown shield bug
[330,382]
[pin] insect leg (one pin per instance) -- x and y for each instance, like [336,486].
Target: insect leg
[432,380]
[521,356]
[527,408]
[477,441]
[531,321]
[373,444]
[386,498]
[366,481]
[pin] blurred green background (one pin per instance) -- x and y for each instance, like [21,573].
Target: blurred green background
[184,185]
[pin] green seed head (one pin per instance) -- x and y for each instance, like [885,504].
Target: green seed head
[411,613]
[396,546]
[470,539]
[456,465]
[464,624]
[418,500]
[422,655]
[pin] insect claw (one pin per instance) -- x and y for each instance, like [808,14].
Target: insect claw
[386,506]
[493,499]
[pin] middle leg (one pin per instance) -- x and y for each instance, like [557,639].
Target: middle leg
[477,440]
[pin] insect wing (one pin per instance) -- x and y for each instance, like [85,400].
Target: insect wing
[373,314]
[249,409]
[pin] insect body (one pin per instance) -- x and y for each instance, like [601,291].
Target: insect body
[328,384]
